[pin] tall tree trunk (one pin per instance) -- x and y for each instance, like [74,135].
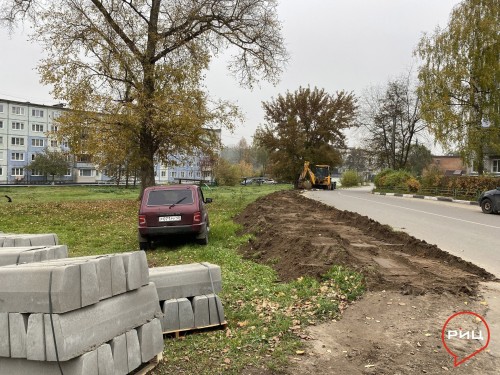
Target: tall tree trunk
[147,149]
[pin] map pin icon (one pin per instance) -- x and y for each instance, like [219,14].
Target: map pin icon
[457,360]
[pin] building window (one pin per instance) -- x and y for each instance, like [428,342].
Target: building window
[17,125]
[83,159]
[182,174]
[87,172]
[496,166]
[198,174]
[17,110]
[64,144]
[163,173]
[17,171]
[1,140]
[68,172]
[37,142]
[54,128]
[1,124]
[56,114]
[173,174]
[1,171]
[18,156]
[37,128]
[36,173]
[16,141]
[37,112]
[53,143]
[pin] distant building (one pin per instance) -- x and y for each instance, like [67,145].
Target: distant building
[454,165]
[26,128]
[449,165]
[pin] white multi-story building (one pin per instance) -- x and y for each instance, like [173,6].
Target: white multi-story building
[25,130]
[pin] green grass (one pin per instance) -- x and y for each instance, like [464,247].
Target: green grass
[265,316]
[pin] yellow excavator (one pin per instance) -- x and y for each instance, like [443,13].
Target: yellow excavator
[319,179]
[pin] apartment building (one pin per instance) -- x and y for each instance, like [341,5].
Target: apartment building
[27,129]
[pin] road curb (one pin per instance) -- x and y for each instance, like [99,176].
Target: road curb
[418,196]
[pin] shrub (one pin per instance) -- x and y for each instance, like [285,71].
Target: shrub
[413,185]
[432,176]
[349,178]
[379,179]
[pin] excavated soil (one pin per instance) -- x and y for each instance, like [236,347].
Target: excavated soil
[412,287]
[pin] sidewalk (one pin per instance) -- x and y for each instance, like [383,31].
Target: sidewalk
[444,199]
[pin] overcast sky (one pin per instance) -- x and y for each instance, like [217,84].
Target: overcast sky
[333,44]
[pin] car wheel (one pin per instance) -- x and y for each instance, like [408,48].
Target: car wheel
[145,245]
[487,206]
[204,239]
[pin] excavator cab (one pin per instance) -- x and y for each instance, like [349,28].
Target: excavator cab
[320,178]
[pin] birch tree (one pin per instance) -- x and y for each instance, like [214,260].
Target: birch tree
[460,80]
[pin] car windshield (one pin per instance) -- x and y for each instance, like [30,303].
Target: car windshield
[169,197]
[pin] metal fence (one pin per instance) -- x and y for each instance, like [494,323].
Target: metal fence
[463,194]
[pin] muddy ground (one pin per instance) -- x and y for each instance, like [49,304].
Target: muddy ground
[412,288]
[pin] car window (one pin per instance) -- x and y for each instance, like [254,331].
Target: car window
[167,197]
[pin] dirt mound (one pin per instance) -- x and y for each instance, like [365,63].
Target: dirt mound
[298,236]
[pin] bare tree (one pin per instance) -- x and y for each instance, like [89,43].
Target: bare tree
[391,118]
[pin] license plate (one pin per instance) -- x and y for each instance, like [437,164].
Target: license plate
[169,218]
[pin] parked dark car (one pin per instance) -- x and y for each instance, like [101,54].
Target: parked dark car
[490,201]
[173,210]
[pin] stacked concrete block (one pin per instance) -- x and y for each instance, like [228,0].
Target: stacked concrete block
[74,282]
[188,296]
[186,280]
[120,356]
[16,240]
[31,254]
[95,315]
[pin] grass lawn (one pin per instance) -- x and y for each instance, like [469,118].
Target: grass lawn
[265,316]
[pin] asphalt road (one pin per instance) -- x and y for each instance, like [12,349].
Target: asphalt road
[459,229]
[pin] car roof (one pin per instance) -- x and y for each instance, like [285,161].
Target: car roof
[172,187]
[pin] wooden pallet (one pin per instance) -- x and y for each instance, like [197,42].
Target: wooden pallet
[146,368]
[177,333]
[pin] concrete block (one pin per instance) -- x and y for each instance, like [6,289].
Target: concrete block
[83,365]
[216,310]
[186,316]
[103,264]
[120,356]
[4,335]
[49,239]
[18,327]
[104,276]
[13,255]
[89,284]
[118,278]
[150,339]
[81,330]
[77,282]
[170,320]
[25,288]
[35,338]
[186,280]
[201,311]
[105,363]
[15,240]
[136,269]
[133,350]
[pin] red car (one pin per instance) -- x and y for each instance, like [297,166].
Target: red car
[171,210]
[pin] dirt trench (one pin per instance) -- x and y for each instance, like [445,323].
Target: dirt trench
[412,287]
